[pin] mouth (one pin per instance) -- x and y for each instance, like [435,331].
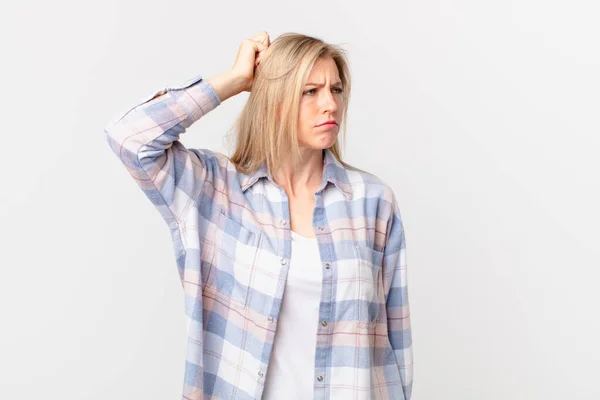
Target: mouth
[328,123]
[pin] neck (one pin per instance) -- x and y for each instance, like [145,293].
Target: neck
[303,175]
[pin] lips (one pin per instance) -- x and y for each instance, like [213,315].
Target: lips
[331,122]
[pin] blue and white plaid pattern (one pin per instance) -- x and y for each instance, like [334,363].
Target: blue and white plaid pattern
[232,242]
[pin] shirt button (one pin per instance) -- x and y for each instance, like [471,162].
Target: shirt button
[283,261]
[283,222]
[324,323]
[320,378]
[321,227]
[260,373]
[270,319]
[327,266]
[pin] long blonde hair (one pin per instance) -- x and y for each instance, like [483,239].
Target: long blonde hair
[262,136]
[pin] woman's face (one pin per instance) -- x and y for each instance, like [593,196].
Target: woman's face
[321,101]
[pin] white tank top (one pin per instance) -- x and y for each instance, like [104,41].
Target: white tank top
[290,374]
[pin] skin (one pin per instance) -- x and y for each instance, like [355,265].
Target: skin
[321,101]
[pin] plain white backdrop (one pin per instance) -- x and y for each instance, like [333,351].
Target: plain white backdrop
[482,116]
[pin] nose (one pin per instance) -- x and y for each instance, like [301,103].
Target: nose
[328,103]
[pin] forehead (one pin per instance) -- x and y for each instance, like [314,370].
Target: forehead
[324,69]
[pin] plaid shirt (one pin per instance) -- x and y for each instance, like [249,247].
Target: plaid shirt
[232,242]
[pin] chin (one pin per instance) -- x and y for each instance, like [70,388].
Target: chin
[320,142]
[319,145]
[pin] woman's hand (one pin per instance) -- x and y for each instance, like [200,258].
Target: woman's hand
[248,58]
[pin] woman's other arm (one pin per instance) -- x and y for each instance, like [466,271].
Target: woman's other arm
[397,304]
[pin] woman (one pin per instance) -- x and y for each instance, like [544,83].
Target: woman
[286,215]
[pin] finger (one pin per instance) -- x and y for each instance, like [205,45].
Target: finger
[257,60]
[259,46]
[262,38]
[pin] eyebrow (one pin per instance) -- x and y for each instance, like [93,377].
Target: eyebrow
[321,84]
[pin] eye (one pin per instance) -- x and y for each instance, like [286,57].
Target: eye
[311,91]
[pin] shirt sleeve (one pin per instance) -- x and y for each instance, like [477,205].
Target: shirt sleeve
[398,313]
[146,140]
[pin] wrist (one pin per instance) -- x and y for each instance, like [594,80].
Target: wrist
[227,84]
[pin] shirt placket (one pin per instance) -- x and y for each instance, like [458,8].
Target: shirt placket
[324,341]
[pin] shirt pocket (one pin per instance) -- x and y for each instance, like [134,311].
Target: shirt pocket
[370,284]
[233,260]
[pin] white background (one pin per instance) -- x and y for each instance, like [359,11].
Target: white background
[482,115]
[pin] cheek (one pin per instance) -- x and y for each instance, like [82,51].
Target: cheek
[305,121]
[303,134]
[304,114]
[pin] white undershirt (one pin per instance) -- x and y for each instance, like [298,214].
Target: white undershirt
[290,374]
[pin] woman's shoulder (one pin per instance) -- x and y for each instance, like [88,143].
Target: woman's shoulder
[367,184]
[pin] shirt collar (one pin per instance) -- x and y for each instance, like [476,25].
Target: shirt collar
[333,171]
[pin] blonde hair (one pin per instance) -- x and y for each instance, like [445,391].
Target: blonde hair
[262,136]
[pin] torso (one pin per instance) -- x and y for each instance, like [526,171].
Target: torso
[301,213]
